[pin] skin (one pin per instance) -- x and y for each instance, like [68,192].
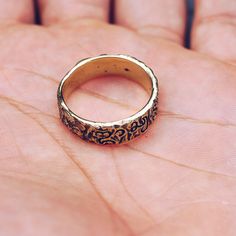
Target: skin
[177,179]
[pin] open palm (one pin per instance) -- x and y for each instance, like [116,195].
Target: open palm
[178,179]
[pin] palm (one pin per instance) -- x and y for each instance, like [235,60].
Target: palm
[157,185]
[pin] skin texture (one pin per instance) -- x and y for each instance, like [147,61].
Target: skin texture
[178,179]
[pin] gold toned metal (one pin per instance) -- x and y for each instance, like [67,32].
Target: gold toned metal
[116,132]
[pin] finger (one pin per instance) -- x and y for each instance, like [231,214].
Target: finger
[159,18]
[214,29]
[15,10]
[56,11]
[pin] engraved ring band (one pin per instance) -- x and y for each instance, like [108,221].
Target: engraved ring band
[115,132]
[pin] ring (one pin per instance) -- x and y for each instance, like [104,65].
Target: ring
[116,132]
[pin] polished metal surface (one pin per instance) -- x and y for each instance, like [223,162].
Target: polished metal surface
[116,132]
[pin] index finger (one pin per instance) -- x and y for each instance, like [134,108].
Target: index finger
[214,30]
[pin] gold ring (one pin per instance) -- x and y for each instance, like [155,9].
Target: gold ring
[116,132]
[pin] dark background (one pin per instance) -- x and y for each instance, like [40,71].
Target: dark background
[190,13]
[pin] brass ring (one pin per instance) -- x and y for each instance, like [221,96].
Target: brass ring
[117,132]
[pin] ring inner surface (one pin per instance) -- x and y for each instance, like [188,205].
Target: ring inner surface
[103,67]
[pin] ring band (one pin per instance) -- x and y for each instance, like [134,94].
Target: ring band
[116,132]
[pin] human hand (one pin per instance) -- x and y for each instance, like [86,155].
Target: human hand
[178,179]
